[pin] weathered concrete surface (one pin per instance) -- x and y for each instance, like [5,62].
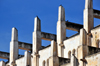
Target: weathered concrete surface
[25,46]
[44,55]
[25,60]
[70,44]
[48,36]
[20,62]
[73,26]
[96,13]
[95,36]
[93,60]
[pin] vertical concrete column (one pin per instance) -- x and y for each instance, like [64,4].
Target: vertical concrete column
[88,19]
[14,47]
[88,16]
[83,37]
[61,29]
[72,60]
[36,41]
[82,52]
[54,61]
[83,48]
[2,63]
[27,57]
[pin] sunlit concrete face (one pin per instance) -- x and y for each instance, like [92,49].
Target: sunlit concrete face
[81,49]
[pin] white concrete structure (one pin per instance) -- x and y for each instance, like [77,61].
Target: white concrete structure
[81,49]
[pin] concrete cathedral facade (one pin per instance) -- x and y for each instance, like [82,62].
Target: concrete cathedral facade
[81,49]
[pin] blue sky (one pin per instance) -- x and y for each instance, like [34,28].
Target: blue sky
[21,14]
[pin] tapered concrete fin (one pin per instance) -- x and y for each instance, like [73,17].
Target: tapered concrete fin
[14,34]
[53,48]
[83,37]
[14,47]
[61,13]
[27,56]
[88,4]
[36,41]
[53,60]
[88,16]
[2,63]
[61,29]
[37,24]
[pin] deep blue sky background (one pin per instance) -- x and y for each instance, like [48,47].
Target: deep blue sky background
[21,14]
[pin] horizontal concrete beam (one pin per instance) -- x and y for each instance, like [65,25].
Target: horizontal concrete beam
[5,55]
[73,26]
[48,36]
[25,46]
[96,14]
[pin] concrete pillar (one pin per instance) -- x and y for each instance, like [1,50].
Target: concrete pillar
[54,61]
[2,63]
[14,47]
[72,60]
[83,37]
[82,52]
[36,40]
[27,56]
[53,48]
[88,16]
[61,29]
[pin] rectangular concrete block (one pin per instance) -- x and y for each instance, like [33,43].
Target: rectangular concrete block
[88,20]
[61,14]
[53,48]
[37,24]
[27,56]
[83,37]
[2,63]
